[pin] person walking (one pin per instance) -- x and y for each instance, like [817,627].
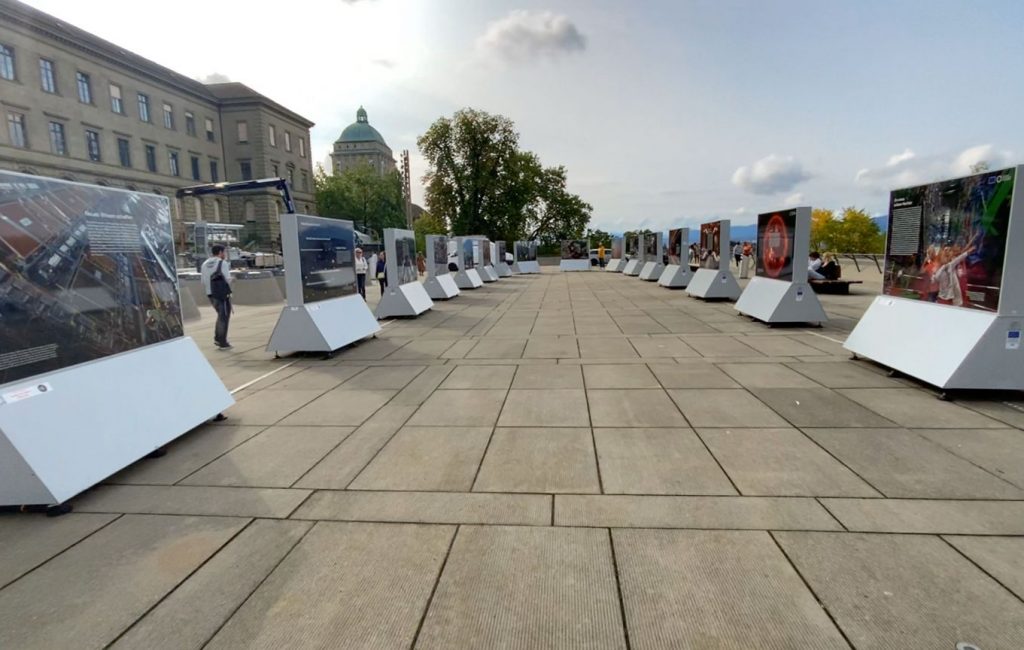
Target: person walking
[382,272]
[361,268]
[737,253]
[600,255]
[216,278]
[421,263]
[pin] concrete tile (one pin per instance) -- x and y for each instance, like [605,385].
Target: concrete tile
[373,349]
[716,589]
[460,408]
[92,592]
[929,516]
[547,347]
[497,349]
[346,585]
[384,378]
[1008,411]
[190,500]
[720,346]
[818,407]
[619,376]
[422,349]
[193,613]
[258,410]
[781,462]
[598,347]
[27,541]
[657,461]
[633,408]
[905,591]
[844,374]
[339,467]
[999,556]
[422,387]
[459,349]
[316,378]
[275,458]
[548,377]
[913,408]
[556,407]
[185,455]
[712,512]
[428,507]
[899,463]
[340,407]
[476,377]
[703,375]
[567,599]
[539,460]
[427,458]
[713,407]
[766,375]
[1000,451]
[780,346]
[662,347]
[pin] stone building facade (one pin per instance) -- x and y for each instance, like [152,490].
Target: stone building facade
[360,144]
[77,107]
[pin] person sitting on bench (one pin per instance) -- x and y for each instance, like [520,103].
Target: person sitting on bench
[830,268]
[814,266]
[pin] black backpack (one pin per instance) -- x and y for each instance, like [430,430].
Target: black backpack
[219,287]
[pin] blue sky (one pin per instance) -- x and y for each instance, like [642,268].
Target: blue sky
[664,113]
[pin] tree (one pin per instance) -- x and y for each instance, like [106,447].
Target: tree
[428,224]
[854,231]
[557,214]
[373,202]
[598,237]
[822,225]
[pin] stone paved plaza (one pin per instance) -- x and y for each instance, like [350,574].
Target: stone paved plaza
[554,461]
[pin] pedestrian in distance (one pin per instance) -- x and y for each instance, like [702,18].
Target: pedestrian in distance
[600,255]
[382,272]
[737,253]
[421,263]
[216,277]
[361,268]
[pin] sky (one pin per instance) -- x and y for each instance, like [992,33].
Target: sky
[665,113]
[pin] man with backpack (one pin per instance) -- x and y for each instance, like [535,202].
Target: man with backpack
[216,276]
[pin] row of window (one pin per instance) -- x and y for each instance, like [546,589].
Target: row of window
[243,137]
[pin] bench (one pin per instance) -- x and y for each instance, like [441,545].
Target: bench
[833,286]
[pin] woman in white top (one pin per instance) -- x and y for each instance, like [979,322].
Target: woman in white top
[361,268]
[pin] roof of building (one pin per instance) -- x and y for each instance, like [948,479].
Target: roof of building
[233,93]
[361,131]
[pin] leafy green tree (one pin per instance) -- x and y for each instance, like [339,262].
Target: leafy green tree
[598,237]
[853,231]
[373,202]
[428,224]
[822,225]
[557,214]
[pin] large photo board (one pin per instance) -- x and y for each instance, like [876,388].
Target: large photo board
[439,255]
[651,246]
[85,272]
[710,244]
[575,249]
[617,248]
[946,242]
[521,251]
[400,246]
[485,249]
[467,256]
[776,232]
[675,246]
[326,265]
[502,250]
[633,246]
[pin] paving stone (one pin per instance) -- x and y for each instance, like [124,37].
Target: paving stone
[275,458]
[1000,451]
[477,377]
[692,375]
[526,588]
[259,410]
[193,613]
[539,460]
[1010,412]
[662,347]
[720,346]
[999,556]
[716,589]
[844,374]
[657,461]
[185,455]
[916,409]
[900,463]
[346,585]
[92,592]
[781,462]
[460,408]
[619,376]
[555,407]
[712,407]
[497,349]
[340,407]
[818,407]
[190,500]
[633,408]
[766,375]
[428,507]
[606,347]
[339,467]
[422,349]
[322,379]
[427,458]
[373,349]
[27,541]
[459,349]
[384,378]
[905,591]
[780,346]
[929,516]
[422,387]
[563,347]
[548,377]
[712,512]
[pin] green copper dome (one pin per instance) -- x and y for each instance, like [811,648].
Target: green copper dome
[361,131]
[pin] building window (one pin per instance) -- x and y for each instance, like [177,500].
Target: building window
[216,210]
[124,152]
[92,145]
[116,104]
[195,168]
[287,141]
[58,144]
[6,62]
[291,177]
[16,129]
[243,131]
[84,88]
[143,107]
[214,172]
[276,171]
[305,181]
[209,130]
[168,116]
[302,147]
[190,123]
[272,134]
[250,211]
[197,205]
[172,158]
[47,78]
[246,168]
[151,157]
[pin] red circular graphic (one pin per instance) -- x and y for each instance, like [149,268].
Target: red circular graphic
[775,246]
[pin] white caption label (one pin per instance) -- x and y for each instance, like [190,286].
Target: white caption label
[26,393]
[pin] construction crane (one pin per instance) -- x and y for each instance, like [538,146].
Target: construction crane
[279,184]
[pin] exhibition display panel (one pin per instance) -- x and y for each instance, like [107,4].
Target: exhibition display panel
[440,285]
[501,266]
[952,298]
[677,273]
[467,276]
[95,369]
[616,263]
[779,292]
[575,255]
[634,256]
[653,265]
[404,296]
[323,311]
[525,254]
[484,260]
[713,280]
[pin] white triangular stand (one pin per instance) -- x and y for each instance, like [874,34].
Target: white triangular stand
[574,265]
[323,326]
[615,266]
[779,301]
[468,279]
[675,276]
[651,271]
[441,287]
[713,284]
[487,274]
[526,267]
[502,270]
[409,299]
[633,267]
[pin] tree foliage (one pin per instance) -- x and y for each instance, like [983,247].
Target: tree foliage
[598,237]
[483,183]
[428,224]
[373,202]
[853,231]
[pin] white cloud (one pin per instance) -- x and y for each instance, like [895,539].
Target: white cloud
[524,35]
[742,210]
[793,200]
[901,157]
[770,175]
[908,169]
[981,153]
